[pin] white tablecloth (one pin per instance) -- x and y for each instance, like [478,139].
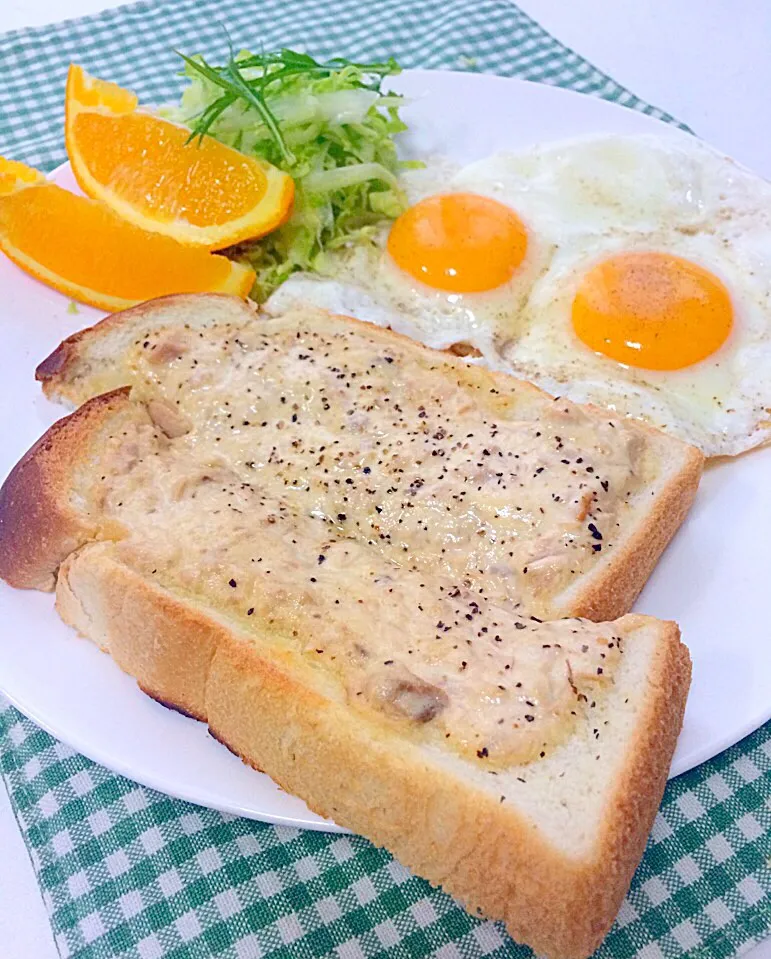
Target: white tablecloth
[705,61]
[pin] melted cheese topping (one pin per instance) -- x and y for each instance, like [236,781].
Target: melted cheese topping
[396,518]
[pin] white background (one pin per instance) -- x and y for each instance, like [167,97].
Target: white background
[708,62]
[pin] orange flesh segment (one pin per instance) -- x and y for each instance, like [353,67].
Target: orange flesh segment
[91,92]
[169,188]
[97,257]
[14,175]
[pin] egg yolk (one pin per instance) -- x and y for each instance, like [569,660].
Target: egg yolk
[459,242]
[652,310]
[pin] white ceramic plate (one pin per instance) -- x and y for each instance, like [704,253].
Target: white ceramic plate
[713,580]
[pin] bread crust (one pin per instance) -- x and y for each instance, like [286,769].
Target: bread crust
[39,526]
[359,773]
[611,588]
[605,592]
[64,360]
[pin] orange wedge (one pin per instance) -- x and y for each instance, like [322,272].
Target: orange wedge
[14,176]
[83,249]
[204,194]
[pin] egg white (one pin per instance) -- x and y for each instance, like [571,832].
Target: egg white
[591,186]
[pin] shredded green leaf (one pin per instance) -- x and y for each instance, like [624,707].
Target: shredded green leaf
[326,124]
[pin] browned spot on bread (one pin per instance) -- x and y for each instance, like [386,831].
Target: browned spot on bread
[463,349]
[169,705]
[55,362]
[223,742]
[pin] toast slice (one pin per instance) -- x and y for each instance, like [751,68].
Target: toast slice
[409,694]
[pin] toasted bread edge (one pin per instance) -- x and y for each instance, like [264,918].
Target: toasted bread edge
[610,590]
[38,525]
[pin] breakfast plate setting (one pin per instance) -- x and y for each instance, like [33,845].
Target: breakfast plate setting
[416,455]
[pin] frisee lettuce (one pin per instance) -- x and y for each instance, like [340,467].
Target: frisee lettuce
[328,125]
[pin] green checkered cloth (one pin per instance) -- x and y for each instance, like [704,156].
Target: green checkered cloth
[125,871]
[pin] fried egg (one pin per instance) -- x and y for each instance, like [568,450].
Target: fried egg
[647,330]
[454,271]
[630,272]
